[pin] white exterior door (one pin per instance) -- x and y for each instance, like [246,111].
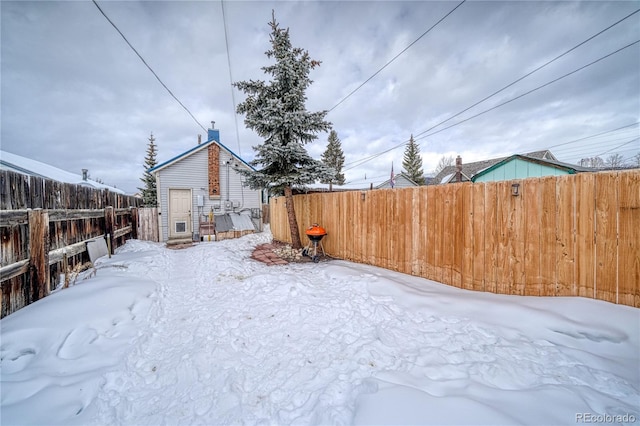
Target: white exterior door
[179,213]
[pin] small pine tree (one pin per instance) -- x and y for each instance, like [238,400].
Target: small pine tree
[334,157]
[276,111]
[412,162]
[149,192]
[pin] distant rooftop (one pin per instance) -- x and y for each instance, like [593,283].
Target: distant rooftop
[469,170]
[27,166]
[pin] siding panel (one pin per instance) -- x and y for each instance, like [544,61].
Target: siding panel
[191,172]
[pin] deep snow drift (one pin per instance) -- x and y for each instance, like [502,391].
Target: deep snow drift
[205,335]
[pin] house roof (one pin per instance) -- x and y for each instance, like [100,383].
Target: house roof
[27,166]
[571,168]
[373,184]
[198,148]
[402,175]
[469,170]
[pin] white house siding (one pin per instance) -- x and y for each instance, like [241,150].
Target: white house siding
[401,182]
[190,172]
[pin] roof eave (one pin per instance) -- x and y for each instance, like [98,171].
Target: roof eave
[192,151]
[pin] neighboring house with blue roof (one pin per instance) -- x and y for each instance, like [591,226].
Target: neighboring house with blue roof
[201,195]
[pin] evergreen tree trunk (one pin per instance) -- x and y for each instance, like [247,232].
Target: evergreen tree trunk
[293,221]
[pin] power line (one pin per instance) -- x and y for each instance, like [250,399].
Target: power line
[593,136]
[592,146]
[366,159]
[396,57]
[528,92]
[595,142]
[147,65]
[619,146]
[532,72]
[233,95]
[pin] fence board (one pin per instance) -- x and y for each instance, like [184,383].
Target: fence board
[457,231]
[518,233]
[565,250]
[430,225]
[353,225]
[548,237]
[490,239]
[465,258]
[531,195]
[406,236]
[478,236]
[606,238]
[148,224]
[439,233]
[423,201]
[414,221]
[575,235]
[449,236]
[346,225]
[39,253]
[629,244]
[504,272]
[585,239]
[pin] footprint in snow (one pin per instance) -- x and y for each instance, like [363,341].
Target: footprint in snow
[15,361]
[77,342]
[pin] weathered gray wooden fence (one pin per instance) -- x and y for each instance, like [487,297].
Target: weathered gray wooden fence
[44,228]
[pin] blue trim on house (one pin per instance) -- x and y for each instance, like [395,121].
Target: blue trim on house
[214,137]
[569,168]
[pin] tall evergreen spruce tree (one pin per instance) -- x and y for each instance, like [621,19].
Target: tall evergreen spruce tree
[334,157]
[276,111]
[412,162]
[149,192]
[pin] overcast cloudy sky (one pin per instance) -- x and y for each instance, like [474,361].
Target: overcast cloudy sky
[75,95]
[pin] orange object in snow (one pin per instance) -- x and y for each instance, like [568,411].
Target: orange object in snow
[315,231]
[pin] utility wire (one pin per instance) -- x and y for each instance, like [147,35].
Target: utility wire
[233,95]
[590,146]
[528,92]
[147,65]
[396,57]
[593,136]
[532,72]
[619,146]
[422,134]
[364,160]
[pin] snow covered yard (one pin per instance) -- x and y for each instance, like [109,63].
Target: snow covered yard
[205,335]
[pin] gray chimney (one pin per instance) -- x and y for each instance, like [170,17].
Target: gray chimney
[199,139]
[84,174]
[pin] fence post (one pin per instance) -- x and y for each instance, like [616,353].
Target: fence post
[39,254]
[134,222]
[109,219]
